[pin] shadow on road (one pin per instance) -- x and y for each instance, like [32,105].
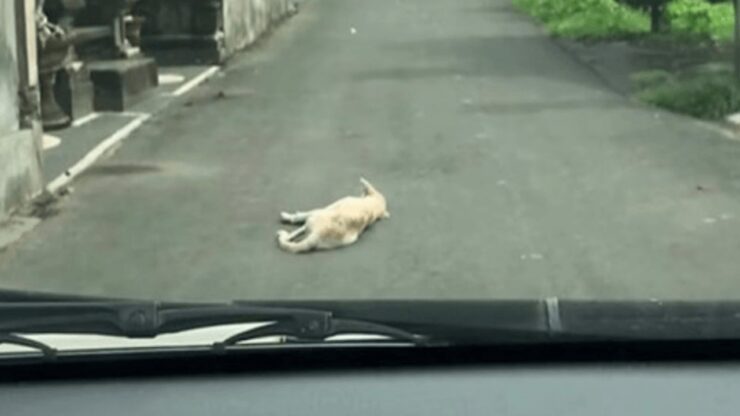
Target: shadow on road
[507,58]
[525,108]
[502,10]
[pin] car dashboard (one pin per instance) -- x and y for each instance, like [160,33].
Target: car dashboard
[489,389]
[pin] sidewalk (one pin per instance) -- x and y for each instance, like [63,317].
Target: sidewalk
[69,152]
[90,137]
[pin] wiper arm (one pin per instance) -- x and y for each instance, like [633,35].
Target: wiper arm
[47,351]
[319,330]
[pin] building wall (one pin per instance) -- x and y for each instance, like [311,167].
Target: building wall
[246,20]
[205,31]
[20,167]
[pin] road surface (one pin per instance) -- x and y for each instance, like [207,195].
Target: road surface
[511,171]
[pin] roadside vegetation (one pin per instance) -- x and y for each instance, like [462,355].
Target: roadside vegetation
[708,90]
[593,19]
[704,93]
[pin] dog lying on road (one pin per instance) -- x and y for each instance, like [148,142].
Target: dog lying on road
[337,225]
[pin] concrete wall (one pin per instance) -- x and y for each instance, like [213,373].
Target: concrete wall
[246,20]
[20,173]
[8,69]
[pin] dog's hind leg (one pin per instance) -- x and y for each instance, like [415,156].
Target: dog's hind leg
[292,235]
[307,244]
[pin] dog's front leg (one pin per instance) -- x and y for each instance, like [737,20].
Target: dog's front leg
[296,217]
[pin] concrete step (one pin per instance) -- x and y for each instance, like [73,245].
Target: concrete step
[121,83]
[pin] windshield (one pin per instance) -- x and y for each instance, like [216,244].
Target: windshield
[351,150]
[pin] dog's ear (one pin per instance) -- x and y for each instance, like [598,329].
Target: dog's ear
[368,187]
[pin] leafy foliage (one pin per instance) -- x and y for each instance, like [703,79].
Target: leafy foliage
[699,17]
[624,18]
[656,9]
[587,18]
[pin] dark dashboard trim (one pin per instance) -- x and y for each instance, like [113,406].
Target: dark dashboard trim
[296,359]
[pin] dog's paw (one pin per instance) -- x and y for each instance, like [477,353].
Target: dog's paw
[286,217]
[282,234]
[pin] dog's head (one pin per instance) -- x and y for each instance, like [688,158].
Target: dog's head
[369,191]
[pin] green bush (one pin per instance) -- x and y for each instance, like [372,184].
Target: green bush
[690,16]
[615,18]
[709,96]
[587,18]
[698,17]
[722,17]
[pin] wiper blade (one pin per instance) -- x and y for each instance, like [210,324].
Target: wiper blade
[427,323]
[152,319]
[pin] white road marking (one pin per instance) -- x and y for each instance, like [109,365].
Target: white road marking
[129,113]
[196,81]
[50,142]
[61,181]
[166,79]
[734,118]
[84,120]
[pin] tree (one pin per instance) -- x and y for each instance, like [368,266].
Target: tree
[737,39]
[656,8]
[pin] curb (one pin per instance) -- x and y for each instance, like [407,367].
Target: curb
[60,183]
[15,228]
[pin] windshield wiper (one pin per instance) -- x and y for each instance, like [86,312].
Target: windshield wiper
[415,323]
[152,319]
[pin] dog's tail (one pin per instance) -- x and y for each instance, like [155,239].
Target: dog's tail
[307,244]
[369,188]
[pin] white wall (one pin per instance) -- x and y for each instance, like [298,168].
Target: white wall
[246,20]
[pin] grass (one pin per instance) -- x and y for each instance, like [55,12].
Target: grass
[587,19]
[605,19]
[708,95]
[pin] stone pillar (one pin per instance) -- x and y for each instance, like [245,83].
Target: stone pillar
[73,88]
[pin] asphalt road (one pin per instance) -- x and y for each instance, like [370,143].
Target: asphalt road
[510,169]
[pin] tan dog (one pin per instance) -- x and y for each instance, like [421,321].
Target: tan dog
[337,225]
